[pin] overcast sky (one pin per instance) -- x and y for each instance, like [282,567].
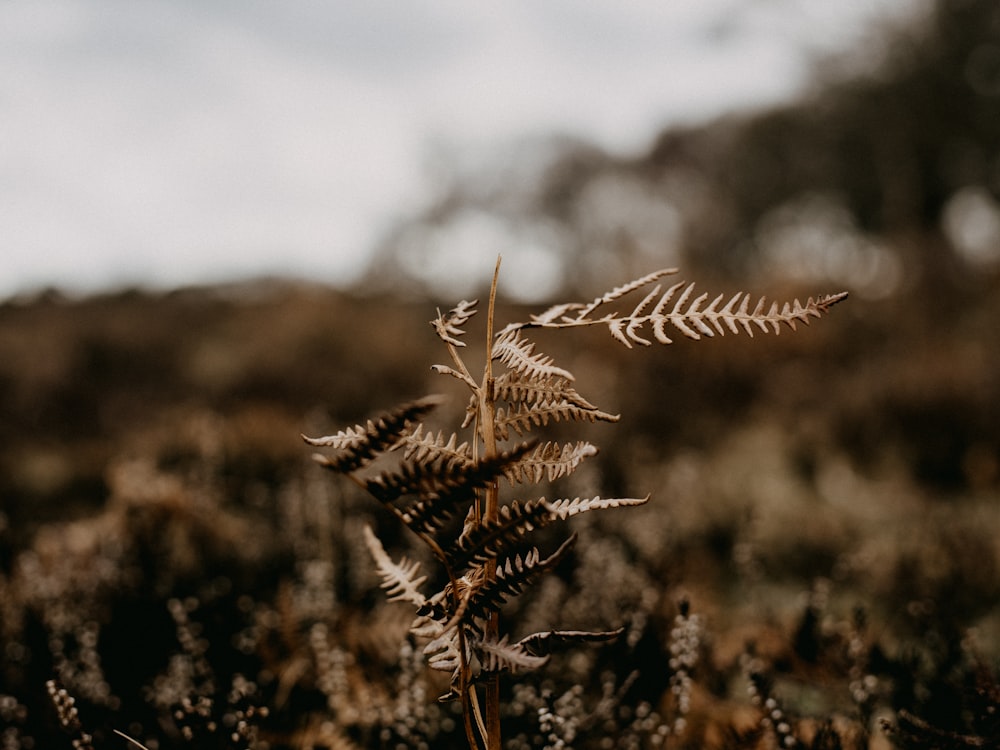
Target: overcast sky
[166,142]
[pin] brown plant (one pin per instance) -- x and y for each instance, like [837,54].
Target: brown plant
[489,557]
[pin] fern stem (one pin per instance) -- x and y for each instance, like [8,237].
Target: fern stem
[477,714]
[487,404]
[470,707]
[488,432]
[470,703]
[462,371]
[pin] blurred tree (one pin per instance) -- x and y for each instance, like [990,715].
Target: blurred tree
[885,150]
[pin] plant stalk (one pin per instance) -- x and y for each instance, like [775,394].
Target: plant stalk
[487,425]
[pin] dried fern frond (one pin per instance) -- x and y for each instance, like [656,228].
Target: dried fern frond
[536,400]
[494,655]
[422,447]
[678,308]
[457,374]
[563,509]
[428,626]
[693,321]
[440,488]
[555,313]
[618,292]
[549,461]
[440,477]
[523,417]
[518,354]
[442,607]
[514,386]
[449,325]
[543,644]
[360,444]
[689,317]
[487,540]
[512,577]
[399,580]
[349,437]
[503,656]
[443,655]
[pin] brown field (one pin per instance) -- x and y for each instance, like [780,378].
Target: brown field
[825,501]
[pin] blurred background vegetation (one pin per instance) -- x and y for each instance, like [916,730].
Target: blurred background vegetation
[149,446]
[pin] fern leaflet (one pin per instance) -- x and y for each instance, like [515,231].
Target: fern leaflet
[549,461]
[421,447]
[449,326]
[677,307]
[511,579]
[400,579]
[440,488]
[513,386]
[518,353]
[620,291]
[502,656]
[543,644]
[487,540]
[563,509]
[359,445]
[522,417]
